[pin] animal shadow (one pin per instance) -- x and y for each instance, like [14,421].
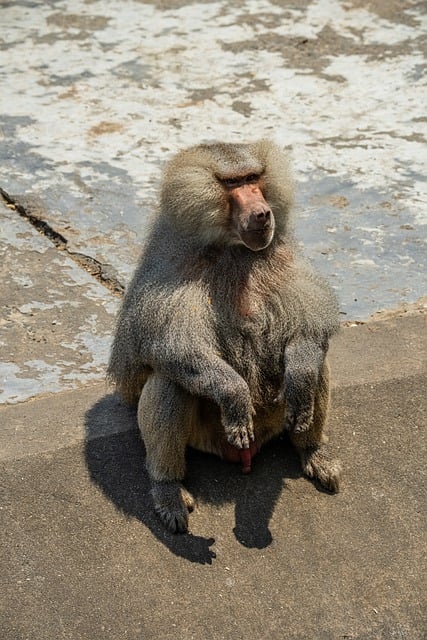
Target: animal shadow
[115,458]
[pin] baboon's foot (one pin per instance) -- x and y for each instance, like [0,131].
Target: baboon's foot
[172,503]
[318,464]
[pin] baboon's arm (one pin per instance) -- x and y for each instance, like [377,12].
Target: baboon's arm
[204,373]
[304,358]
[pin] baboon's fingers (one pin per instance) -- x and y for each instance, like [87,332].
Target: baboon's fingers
[240,437]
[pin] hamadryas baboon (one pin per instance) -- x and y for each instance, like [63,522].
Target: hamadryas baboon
[224,329]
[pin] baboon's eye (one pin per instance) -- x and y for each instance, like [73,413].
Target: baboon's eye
[253,177]
[232,182]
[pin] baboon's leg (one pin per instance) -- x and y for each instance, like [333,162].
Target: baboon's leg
[311,444]
[165,416]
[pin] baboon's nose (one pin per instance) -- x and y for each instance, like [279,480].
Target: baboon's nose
[262,219]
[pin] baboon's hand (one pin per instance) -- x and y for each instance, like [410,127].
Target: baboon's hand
[240,435]
[236,414]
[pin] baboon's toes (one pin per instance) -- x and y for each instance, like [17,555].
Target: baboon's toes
[298,423]
[172,504]
[188,499]
[326,470]
[176,522]
[331,479]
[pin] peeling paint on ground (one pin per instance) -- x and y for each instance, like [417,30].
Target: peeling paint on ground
[97,95]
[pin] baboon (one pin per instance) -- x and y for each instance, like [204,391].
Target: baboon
[223,332]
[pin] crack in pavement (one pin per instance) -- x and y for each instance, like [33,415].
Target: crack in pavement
[98,270]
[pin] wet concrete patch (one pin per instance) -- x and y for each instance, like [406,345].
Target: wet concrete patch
[373,240]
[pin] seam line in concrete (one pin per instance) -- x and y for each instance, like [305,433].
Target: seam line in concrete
[95,268]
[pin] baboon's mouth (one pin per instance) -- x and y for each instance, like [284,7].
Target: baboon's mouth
[257,239]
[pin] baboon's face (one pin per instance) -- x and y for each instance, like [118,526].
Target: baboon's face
[225,194]
[251,217]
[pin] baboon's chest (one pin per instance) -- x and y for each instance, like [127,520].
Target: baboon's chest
[252,347]
[248,323]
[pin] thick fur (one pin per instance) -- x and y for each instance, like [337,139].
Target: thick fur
[219,343]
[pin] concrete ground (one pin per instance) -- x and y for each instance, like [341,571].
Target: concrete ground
[95,96]
[268,555]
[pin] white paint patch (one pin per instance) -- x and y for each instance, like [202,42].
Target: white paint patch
[15,387]
[379,99]
[30,307]
[364,262]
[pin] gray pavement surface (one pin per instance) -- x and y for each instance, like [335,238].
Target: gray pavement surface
[95,97]
[268,556]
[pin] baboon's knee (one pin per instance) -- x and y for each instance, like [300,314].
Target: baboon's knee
[165,414]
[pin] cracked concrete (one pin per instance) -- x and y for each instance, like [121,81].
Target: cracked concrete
[56,319]
[32,211]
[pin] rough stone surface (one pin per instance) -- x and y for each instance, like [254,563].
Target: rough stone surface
[56,319]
